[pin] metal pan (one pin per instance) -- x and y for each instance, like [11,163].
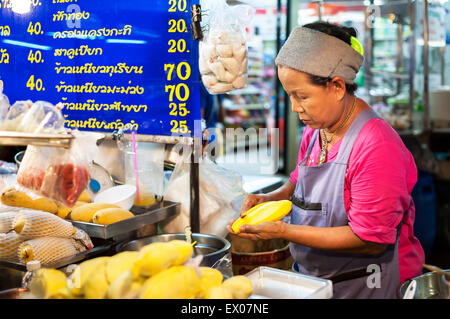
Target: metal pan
[142,218]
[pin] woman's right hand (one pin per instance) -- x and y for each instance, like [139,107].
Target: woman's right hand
[253,200]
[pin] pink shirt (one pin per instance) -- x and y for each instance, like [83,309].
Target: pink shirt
[380,176]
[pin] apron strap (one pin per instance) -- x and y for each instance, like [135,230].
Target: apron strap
[310,147]
[352,133]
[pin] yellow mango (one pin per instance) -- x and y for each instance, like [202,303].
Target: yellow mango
[96,285]
[86,212]
[45,205]
[184,249]
[210,278]
[46,282]
[85,197]
[178,282]
[240,286]
[265,212]
[83,271]
[109,216]
[119,263]
[154,258]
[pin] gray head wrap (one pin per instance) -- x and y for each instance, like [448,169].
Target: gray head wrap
[319,54]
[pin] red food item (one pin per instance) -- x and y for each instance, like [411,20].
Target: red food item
[65,183]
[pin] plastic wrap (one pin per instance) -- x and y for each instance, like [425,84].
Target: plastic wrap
[223,51]
[220,188]
[59,174]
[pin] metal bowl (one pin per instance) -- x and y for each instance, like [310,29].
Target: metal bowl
[429,286]
[211,247]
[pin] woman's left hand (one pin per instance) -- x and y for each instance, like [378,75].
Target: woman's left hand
[265,230]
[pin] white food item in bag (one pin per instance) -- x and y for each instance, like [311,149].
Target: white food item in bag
[208,51]
[224,50]
[203,66]
[239,83]
[221,88]
[231,65]
[209,80]
[230,77]
[218,69]
[239,51]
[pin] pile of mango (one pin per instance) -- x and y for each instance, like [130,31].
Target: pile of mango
[83,210]
[157,271]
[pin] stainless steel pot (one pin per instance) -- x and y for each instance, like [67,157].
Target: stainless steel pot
[429,286]
[211,247]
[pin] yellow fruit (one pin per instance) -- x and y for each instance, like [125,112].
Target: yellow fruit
[62,293]
[12,197]
[63,211]
[178,282]
[109,216]
[123,287]
[47,250]
[96,285]
[36,224]
[266,212]
[85,197]
[240,286]
[119,263]
[46,282]
[26,253]
[86,212]
[83,271]
[218,292]
[185,251]
[45,205]
[154,258]
[210,278]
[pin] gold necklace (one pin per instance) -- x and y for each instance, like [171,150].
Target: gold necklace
[324,152]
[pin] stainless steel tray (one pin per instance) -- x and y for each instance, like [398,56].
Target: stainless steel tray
[98,250]
[24,139]
[142,218]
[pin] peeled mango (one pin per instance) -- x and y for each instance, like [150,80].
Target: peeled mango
[184,249]
[154,258]
[178,282]
[124,287]
[83,271]
[119,263]
[265,212]
[46,282]
[96,285]
[240,287]
[210,278]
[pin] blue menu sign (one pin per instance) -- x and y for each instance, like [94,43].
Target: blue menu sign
[112,64]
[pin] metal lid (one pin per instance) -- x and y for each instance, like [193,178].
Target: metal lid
[33,265]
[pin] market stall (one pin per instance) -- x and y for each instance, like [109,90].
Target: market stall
[100,97]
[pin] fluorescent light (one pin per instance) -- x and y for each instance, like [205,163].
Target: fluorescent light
[434,44]
[21,6]
[126,41]
[28,45]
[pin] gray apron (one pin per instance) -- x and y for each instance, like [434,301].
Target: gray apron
[318,201]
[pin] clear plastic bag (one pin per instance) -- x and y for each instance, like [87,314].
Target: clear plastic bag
[29,117]
[220,188]
[4,104]
[223,58]
[56,173]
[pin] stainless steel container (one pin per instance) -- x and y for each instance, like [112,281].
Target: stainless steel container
[211,247]
[429,286]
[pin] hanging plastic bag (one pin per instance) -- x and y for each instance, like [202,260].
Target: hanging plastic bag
[57,173]
[4,105]
[223,60]
[220,188]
